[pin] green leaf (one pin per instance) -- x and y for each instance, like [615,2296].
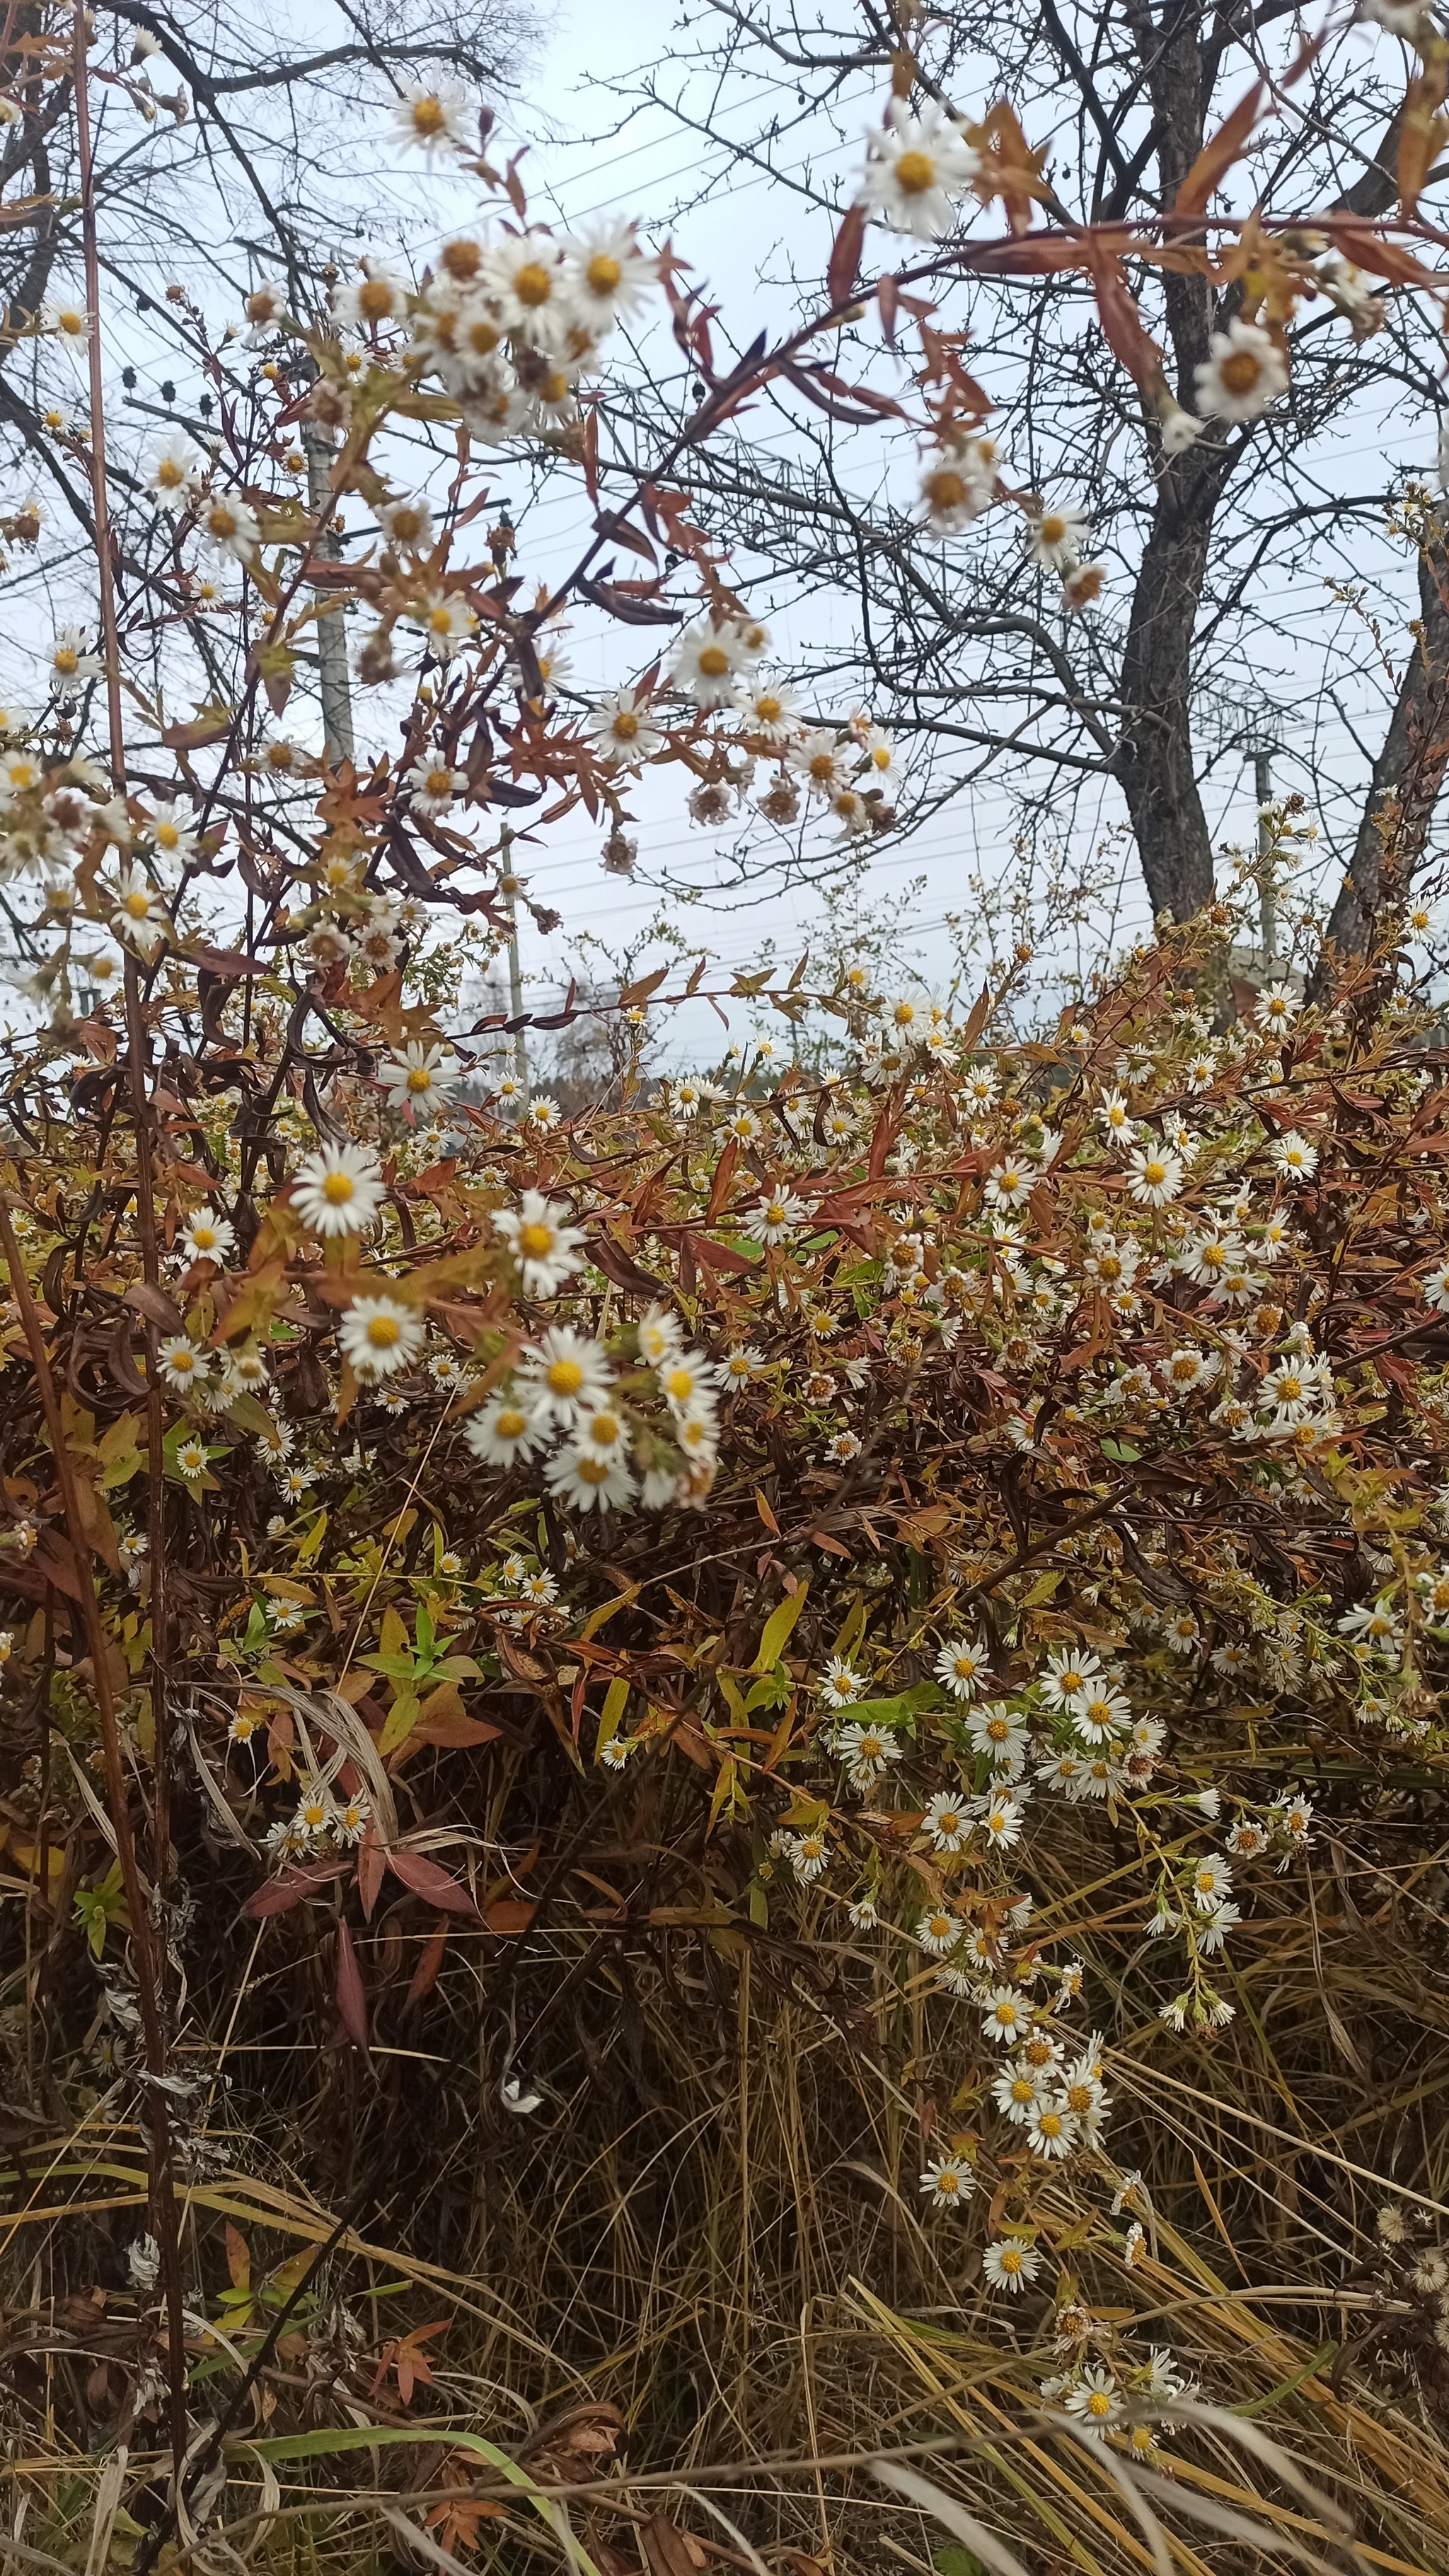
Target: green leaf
[950,2559]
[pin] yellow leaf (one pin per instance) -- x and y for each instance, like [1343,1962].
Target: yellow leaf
[402,1717]
[616,1700]
[724,1788]
[606,1610]
[777,1630]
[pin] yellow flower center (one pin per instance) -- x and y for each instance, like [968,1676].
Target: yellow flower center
[625,725]
[533,285]
[1005,2016]
[593,1471]
[563,1377]
[1022,2091]
[427,117]
[1154,1174]
[603,273]
[1240,372]
[66,659]
[822,767]
[604,1430]
[405,524]
[1099,2404]
[915,173]
[945,490]
[374,301]
[221,521]
[948,2182]
[338,1188]
[509,1423]
[383,1331]
[536,1241]
[768,709]
[714,661]
[679,1383]
[1052,528]
[203,1236]
[1010,2259]
[419,1078]
[1050,2124]
[137,904]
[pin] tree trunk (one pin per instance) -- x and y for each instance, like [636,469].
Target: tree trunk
[1409,770]
[1154,751]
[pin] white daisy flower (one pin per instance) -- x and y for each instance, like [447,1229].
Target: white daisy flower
[1056,538]
[208,1238]
[139,916]
[564,1373]
[1009,2263]
[578,1475]
[339,1189]
[430,117]
[1243,372]
[229,526]
[170,834]
[706,663]
[622,730]
[542,1241]
[182,1364]
[949,2182]
[379,1337]
[962,1665]
[432,785]
[420,1078]
[916,170]
[1155,1175]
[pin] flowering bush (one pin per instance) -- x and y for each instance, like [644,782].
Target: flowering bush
[910,1600]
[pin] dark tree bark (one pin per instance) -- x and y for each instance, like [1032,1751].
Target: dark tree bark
[1409,771]
[1154,760]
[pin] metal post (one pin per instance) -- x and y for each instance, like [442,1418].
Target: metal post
[509,883]
[336,691]
[1267,894]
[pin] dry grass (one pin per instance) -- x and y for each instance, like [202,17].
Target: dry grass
[700,2270]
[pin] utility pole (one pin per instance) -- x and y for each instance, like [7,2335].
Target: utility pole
[336,692]
[1267,894]
[509,884]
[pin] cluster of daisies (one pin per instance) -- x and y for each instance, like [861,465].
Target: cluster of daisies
[850,770]
[510,324]
[1074,1731]
[610,1436]
[331,1813]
